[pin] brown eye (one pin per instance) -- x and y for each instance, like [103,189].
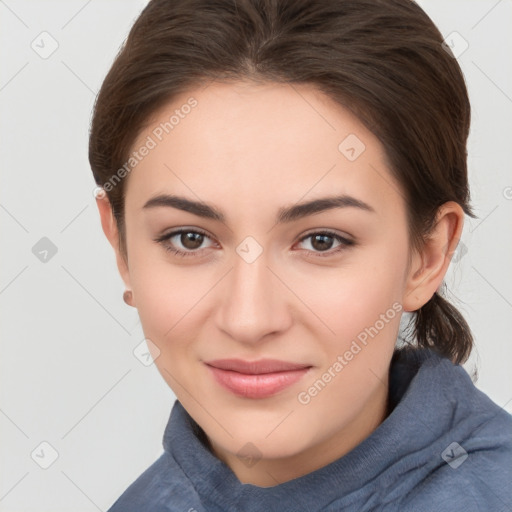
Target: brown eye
[184,242]
[323,241]
[191,240]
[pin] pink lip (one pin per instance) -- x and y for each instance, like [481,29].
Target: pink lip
[257,379]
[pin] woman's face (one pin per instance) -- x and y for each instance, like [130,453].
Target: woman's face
[261,278]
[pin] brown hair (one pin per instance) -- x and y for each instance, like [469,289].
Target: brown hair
[382,59]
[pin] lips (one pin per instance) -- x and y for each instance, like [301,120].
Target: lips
[256,379]
[256,367]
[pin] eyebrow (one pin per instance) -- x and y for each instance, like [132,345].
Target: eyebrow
[287,214]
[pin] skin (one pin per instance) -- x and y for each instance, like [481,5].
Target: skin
[250,150]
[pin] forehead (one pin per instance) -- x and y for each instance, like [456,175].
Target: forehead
[270,143]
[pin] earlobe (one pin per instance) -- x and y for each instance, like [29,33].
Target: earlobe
[428,268]
[128,297]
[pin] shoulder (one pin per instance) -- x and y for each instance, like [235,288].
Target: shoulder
[471,461]
[474,476]
[162,487]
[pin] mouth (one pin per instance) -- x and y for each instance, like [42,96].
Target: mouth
[256,379]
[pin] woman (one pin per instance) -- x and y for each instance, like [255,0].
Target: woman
[281,180]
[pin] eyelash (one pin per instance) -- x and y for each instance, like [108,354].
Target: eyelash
[344,242]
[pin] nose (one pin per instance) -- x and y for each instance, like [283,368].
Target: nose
[252,302]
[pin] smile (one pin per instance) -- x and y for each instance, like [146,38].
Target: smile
[255,380]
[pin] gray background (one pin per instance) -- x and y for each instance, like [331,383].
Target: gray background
[68,373]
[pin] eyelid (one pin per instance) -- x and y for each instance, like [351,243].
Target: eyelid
[182,229]
[319,231]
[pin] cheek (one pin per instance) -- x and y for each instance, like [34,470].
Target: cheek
[357,318]
[173,303]
[347,299]
[360,311]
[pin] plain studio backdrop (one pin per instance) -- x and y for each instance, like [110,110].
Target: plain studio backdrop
[81,416]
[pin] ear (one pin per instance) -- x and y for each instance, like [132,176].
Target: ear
[428,268]
[109,225]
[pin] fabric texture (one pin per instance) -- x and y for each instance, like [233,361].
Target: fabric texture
[445,446]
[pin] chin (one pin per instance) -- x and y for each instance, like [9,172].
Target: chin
[257,443]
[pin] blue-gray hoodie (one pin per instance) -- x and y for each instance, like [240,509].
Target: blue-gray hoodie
[445,447]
